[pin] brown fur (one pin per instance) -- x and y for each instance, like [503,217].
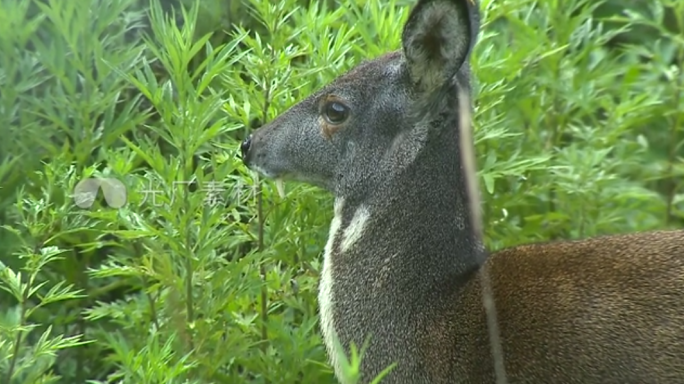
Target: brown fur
[557,302]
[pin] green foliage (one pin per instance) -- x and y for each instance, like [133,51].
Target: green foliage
[206,275]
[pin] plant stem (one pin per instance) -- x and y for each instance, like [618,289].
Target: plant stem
[674,143]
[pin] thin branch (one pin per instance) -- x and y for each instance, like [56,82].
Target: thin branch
[467,145]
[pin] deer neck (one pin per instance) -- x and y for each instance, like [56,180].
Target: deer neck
[393,256]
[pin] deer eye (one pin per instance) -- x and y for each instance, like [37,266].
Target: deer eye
[335,112]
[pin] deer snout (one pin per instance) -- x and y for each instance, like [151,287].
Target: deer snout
[255,156]
[244,147]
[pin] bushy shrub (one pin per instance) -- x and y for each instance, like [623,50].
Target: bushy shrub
[206,275]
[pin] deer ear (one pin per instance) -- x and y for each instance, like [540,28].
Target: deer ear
[437,40]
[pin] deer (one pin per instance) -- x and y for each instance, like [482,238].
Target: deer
[403,266]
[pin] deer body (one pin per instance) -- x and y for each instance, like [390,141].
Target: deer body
[402,263]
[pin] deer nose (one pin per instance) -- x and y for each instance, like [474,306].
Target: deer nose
[244,147]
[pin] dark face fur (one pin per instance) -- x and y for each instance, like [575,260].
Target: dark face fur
[339,129]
